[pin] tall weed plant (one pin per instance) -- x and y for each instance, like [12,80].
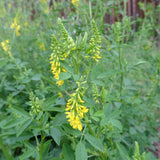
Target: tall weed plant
[72,90]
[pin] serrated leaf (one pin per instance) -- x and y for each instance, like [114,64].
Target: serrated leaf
[14,122]
[81,153]
[56,135]
[104,122]
[116,123]
[59,119]
[96,143]
[68,129]
[23,127]
[50,101]
[20,111]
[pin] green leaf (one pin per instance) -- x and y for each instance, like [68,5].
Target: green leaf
[107,109]
[99,114]
[96,71]
[109,73]
[81,153]
[104,122]
[23,127]
[68,129]
[56,135]
[57,109]
[45,148]
[64,75]
[67,67]
[59,119]
[139,63]
[14,122]
[116,123]
[98,82]
[52,82]
[20,111]
[36,77]
[2,62]
[96,143]
[132,131]
[122,151]
[28,154]
[67,152]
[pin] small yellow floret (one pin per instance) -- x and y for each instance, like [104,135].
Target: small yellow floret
[60,82]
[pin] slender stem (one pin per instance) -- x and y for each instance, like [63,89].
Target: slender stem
[155,90]
[8,157]
[70,85]
[83,133]
[112,148]
[120,66]
[41,145]
[90,129]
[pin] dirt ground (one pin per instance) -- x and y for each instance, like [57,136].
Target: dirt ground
[157,147]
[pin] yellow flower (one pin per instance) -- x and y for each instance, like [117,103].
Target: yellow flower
[76,123]
[60,83]
[75,2]
[42,47]
[17,30]
[94,44]
[60,94]
[15,26]
[75,110]
[5,45]
[9,53]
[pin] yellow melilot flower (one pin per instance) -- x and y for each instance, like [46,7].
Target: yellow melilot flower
[94,44]
[61,49]
[42,47]
[13,25]
[5,45]
[17,30]
[75,2]
[75,110]
[16,27]
[60,83]
[60,94]
[56,68]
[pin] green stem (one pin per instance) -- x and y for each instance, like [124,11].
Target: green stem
[4,149]
[113,148]
[155,90]
[41,145]
[90,65]
[70,85]
[76,65]
[120,66]
[90,129]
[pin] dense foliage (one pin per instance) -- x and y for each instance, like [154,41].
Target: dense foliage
[76,88]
